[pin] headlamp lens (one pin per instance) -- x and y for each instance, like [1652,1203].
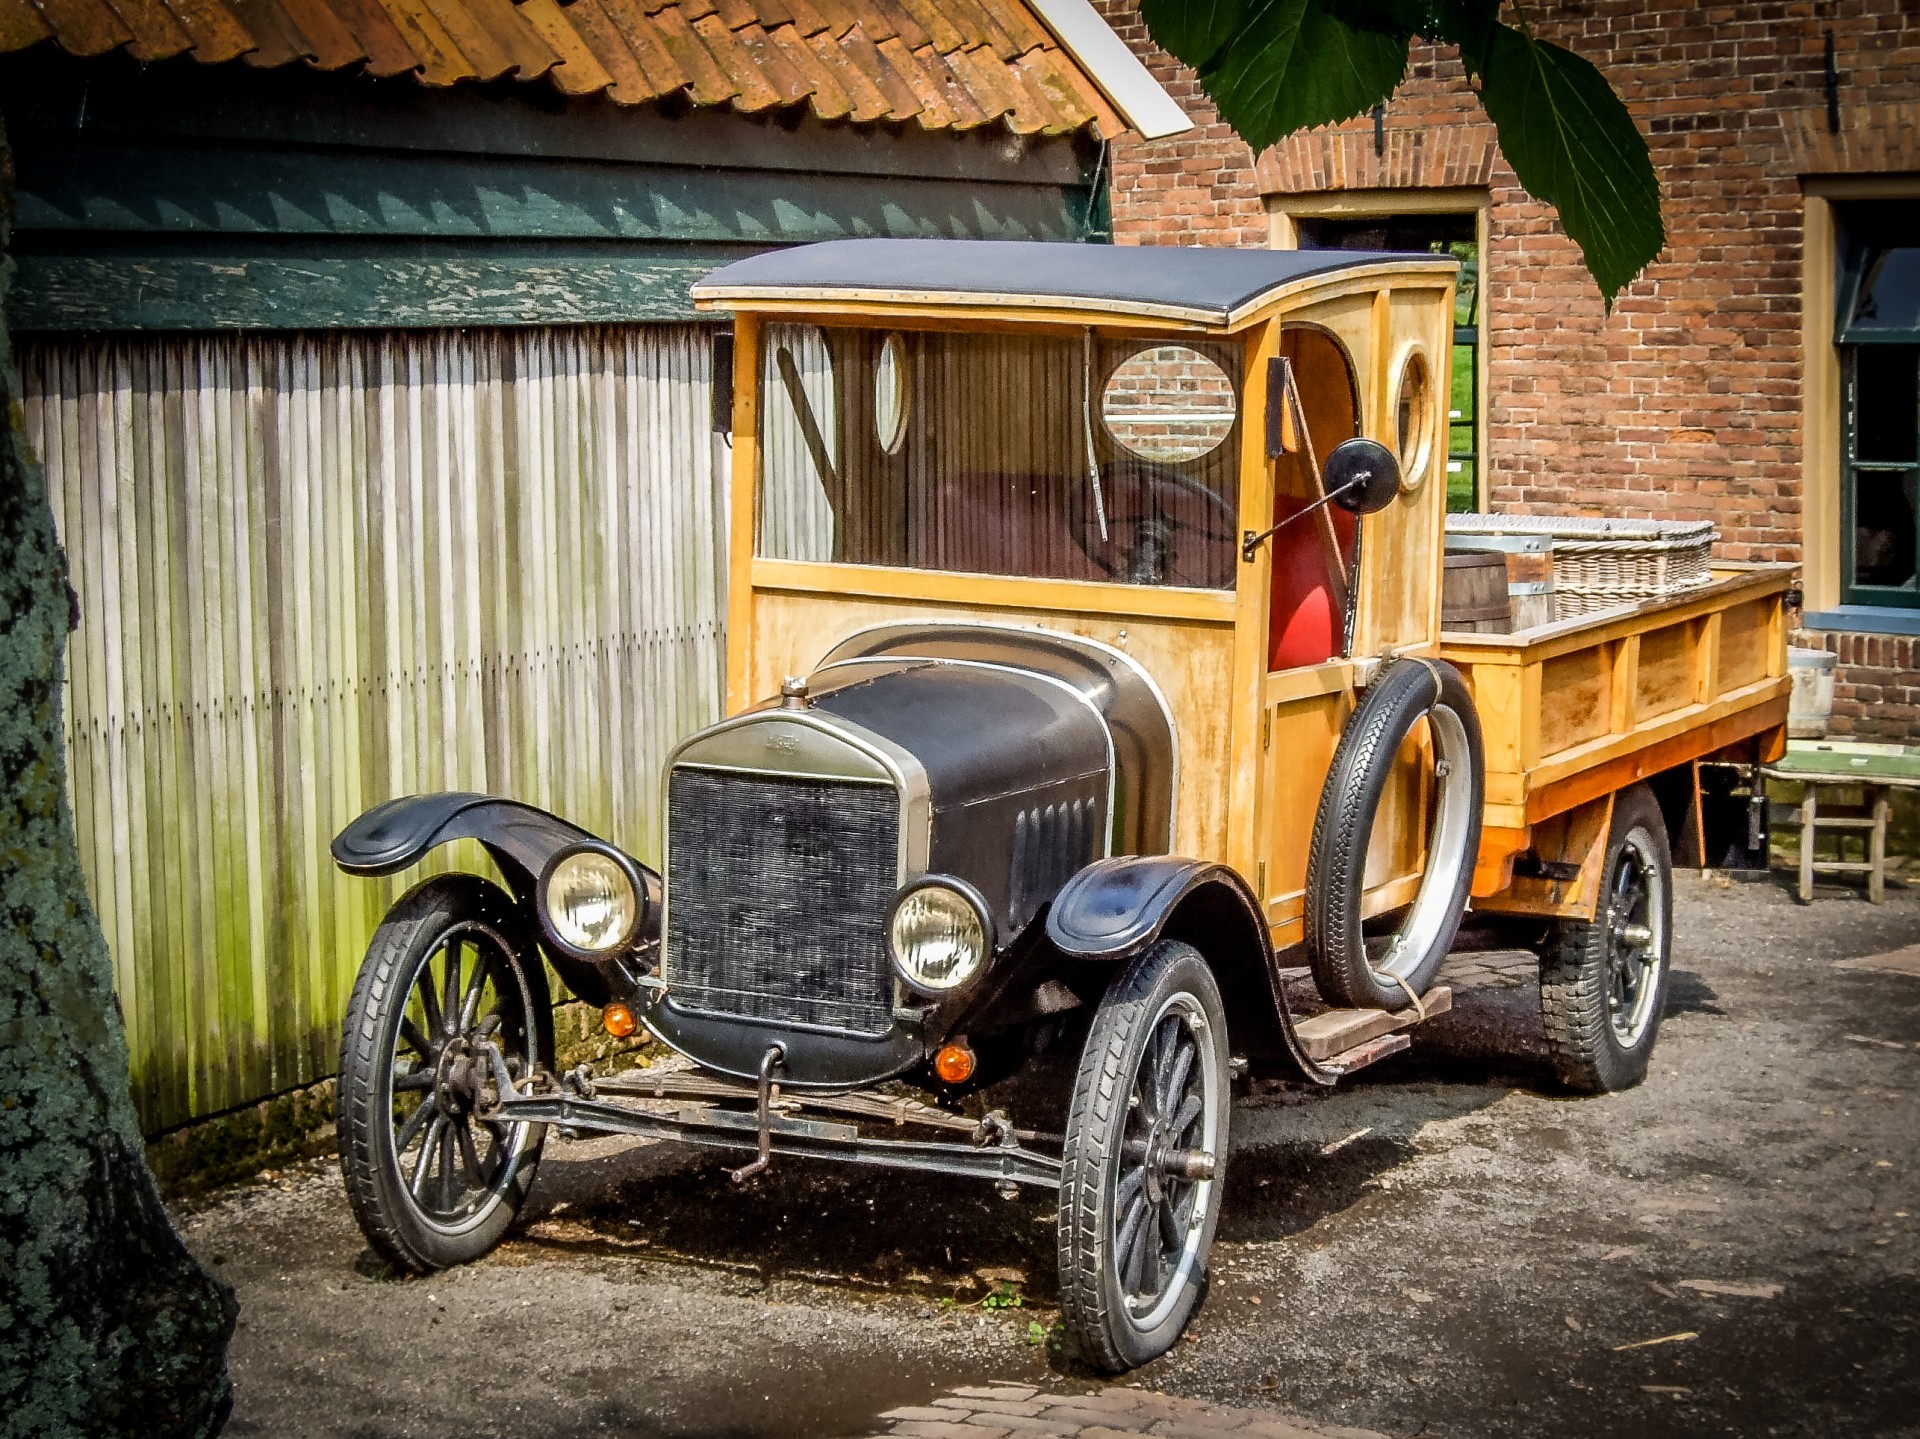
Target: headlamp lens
[591,902]
[937,938]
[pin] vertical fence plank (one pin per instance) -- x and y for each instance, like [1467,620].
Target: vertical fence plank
[316,571]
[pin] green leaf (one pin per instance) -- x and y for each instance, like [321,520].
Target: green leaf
[1192,30]
[1573,145]
[1292,64]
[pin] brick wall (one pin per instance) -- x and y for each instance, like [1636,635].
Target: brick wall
[1685,401]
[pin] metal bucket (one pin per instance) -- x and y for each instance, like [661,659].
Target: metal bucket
[1811,703]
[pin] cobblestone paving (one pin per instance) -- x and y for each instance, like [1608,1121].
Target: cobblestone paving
[1010,1411]
[1506,969]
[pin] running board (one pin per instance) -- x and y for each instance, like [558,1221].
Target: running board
[1347,1039]
[1361,1055]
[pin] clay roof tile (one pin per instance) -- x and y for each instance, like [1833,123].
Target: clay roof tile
[631,82]
[751,90]
[576,70]
[85,27]
[379,38]
[156,34]
[945,64]
[21,25]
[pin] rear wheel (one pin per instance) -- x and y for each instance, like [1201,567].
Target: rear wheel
[452,976]
[1603,982]
[1145,1154]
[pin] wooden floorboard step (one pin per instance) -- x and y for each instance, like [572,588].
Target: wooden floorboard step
[1361,1055]
[1334,1031]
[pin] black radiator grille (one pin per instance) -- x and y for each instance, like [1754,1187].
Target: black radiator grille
[777,897]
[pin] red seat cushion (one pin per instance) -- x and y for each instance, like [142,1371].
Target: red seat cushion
[1305,628]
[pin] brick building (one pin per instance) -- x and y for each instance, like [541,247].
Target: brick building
[1762,373]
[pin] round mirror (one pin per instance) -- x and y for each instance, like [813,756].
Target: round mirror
[1413,413]
[1362,476]
[890,394]
[1170,404]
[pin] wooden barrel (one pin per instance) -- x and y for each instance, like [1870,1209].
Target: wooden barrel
[1530,584]
[1473,594]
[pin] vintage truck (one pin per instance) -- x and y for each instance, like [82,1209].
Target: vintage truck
[1085,679]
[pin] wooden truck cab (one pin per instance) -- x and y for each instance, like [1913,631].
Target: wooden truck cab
[1571,712]
[1365,340]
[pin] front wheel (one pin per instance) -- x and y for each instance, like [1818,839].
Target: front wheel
[452,976]
[1145,1155]
[1603,982]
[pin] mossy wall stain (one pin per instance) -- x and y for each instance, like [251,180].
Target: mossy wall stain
[224,1149]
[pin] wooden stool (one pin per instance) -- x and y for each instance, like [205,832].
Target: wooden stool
[1869,817]
[1876,770]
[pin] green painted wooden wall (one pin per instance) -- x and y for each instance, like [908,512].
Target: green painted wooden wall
[179,198]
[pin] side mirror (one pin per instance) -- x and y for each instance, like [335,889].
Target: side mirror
[1362,476]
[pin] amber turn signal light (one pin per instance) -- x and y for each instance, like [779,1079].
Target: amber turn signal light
[954,1063]
[618,1021]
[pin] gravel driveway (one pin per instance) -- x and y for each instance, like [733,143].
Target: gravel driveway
[1445,1246]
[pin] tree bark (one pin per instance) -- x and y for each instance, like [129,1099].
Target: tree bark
[107,1325]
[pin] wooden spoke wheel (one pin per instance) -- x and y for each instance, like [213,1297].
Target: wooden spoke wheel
[1146,1146]
[451,984]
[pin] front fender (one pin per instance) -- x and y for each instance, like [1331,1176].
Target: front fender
[521,839]
[1115,908]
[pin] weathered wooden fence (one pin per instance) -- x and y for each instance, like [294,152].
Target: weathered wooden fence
[316,572]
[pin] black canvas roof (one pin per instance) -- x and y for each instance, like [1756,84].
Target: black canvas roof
[1199,283]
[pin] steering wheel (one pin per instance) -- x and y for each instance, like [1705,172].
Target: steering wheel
[1163,527]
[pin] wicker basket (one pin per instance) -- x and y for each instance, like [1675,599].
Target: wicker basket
[1599,564]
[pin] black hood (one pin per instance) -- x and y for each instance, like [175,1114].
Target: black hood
[1019,769]
[981,732]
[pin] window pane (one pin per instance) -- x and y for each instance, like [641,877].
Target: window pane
[1884,528]
[1889,300]
[1170,403]
[1887,403]
[1009,454]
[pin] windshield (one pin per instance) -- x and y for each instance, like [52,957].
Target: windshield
[1053,457]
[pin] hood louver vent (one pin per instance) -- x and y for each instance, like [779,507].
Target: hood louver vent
[1050,846]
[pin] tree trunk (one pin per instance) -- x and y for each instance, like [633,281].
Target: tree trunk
[107,1325]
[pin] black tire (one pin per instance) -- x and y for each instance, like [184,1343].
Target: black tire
[1403,694]
[1603,982]
[1160,1034]
[469,1177]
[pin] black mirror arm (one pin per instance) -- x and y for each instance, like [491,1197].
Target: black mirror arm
[1251,542]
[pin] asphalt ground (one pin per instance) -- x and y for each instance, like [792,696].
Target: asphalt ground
[1446,1245]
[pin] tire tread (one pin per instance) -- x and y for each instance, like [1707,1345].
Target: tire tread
[426,908]
[1085,1310]
[1573,1000]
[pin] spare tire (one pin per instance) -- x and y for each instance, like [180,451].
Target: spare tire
[1404,693]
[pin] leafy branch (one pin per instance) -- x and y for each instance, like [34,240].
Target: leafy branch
[1277,66]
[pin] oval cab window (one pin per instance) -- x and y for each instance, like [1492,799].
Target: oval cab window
[890,394]
[1413,413]
[1170,404]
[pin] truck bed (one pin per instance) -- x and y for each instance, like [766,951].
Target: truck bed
[1574,711]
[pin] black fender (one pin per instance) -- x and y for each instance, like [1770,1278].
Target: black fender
[1115,908]
[520,839]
